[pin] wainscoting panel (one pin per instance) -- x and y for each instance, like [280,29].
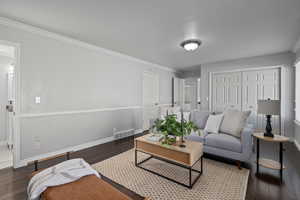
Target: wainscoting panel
[51,133]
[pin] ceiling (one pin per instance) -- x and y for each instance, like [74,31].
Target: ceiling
[152,30]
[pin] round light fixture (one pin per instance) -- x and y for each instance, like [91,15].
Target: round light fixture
[191,45]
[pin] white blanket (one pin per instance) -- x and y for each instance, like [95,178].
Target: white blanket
[65,172]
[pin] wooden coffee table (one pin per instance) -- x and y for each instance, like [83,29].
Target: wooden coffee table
[185,157]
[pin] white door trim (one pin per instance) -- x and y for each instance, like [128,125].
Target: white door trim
[282,69]
[17,108]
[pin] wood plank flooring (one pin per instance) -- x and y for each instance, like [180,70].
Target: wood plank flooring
[263,187]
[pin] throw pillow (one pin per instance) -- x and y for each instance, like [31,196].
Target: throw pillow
[213,123]
[234,121]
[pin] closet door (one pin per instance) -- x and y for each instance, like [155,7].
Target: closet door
[262,84]
[250,94]
[226,91]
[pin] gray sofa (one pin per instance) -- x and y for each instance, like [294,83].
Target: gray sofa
[221,144]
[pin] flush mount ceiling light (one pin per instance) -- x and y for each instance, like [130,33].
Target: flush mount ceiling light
[190,45]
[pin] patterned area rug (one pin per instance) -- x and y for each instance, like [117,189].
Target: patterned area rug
[219,181]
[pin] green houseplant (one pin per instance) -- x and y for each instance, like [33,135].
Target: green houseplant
[171,126]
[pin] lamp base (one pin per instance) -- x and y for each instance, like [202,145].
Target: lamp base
[268,132]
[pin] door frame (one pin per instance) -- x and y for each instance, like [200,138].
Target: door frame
[17,106]
[282,71]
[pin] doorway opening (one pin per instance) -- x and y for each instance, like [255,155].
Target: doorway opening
[191,93]
[7,104]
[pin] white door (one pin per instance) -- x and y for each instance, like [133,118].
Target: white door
[150,98]
[176,91]
[241,90]
[262,84]
[190,94]
[198,93]
[226,91]
[181,86]
[10,106]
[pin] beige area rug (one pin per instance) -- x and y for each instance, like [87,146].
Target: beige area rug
[219,181]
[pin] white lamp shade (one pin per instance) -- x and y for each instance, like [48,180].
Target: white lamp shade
[268,107]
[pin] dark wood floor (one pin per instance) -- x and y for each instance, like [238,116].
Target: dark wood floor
[267,186]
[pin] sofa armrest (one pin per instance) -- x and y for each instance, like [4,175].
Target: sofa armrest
[246,139]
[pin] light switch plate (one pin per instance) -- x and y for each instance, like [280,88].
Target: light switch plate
[37,100]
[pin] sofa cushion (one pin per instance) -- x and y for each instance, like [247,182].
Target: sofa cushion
[224,141]
[234,121]
[213,123]
[200,118]
[198,136]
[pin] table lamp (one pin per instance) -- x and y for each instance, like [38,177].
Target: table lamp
[268,107]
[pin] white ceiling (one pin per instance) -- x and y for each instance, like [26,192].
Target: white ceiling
[152,30]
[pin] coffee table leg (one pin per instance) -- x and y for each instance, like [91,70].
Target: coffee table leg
[135,157]
[281,159]
[190,175]
[257,156]
[201,164]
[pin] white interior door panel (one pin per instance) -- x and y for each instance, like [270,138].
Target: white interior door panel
[226,91]
[241,90]
[150,98]
[262,84]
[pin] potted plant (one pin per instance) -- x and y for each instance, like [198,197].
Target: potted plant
[171,126]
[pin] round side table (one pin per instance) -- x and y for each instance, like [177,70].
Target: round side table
[268,163]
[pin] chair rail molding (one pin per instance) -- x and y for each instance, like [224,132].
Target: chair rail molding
[31,115]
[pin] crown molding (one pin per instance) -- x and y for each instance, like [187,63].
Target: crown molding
[32,29]
[297,46]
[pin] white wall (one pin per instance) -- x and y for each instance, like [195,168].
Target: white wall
[71,77]
[4,63]
[285,59]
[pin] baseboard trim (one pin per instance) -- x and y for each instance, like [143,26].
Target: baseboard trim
[6,164]
[24,162]
[138,131]
[297,144]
